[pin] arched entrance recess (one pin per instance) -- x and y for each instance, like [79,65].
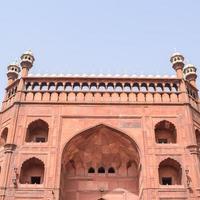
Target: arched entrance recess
[100,163]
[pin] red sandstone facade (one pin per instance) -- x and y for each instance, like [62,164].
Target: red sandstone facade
[100,137]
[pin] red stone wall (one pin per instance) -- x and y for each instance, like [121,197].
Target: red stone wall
[66,121]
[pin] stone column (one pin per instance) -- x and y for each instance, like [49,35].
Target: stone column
[7,193]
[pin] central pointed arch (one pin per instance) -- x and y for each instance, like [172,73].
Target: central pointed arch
[111,154]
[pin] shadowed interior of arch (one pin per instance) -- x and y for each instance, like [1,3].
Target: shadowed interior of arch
[91,156]
[165,132]
[32,171]
[170,172]
[37,131]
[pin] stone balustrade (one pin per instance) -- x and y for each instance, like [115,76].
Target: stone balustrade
[100,90]
[11,90]
[193,96]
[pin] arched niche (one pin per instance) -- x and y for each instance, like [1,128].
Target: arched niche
[170,172]
[32,171]
[4,135]
[100,151]
[165,132]
[111,170]
[91,170]
[37,131]
[101,170]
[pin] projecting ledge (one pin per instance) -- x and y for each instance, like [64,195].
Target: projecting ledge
[172,191]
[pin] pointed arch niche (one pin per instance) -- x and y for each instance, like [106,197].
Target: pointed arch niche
[37,131]
[170,172]
[165,132]
[90,157]
[32,171]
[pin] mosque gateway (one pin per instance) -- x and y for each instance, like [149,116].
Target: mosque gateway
[100,137]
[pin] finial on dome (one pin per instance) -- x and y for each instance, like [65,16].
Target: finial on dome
[190,74]
[177,60]
[27,60]
[13,72]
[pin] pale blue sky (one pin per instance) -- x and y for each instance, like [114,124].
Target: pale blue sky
[104,36]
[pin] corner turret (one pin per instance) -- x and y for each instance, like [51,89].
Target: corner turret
[177,61]
[27,60]
[13,72]
[190,74]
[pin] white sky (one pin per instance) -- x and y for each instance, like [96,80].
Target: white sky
[99,36]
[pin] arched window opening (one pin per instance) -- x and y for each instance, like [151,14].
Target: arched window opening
[28,86]
[165,132]
[44,86]
[12,92]
[9,94]
[170,172]
[36,86]
[4,136]
[188,91]
[159,87]
[111,170]
[118,87]
[68,87]
[93,87]
[102,87]
[143,87]
[91,170]
[151,87]
[37,131]
[32,172]
[59,86]
[136,87]
[167,87]
[127,87]
[76,86]
[52,86]
[101,170]
[85,87]
[174,88]
[110,87]
[193,95]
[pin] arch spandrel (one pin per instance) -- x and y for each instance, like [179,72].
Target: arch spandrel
[77,134]
[174,158]
[125,142]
